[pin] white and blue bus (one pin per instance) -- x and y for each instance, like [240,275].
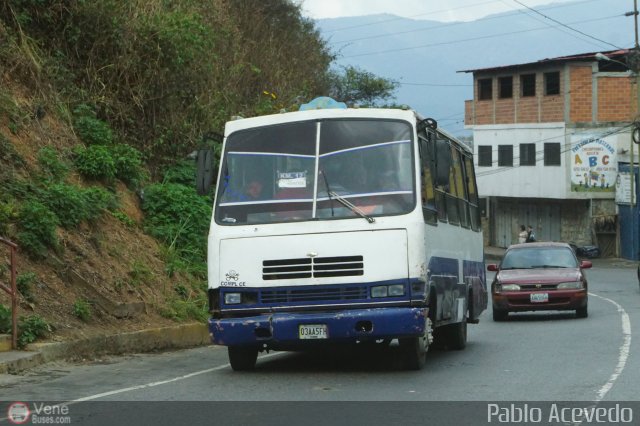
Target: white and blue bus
[343,225]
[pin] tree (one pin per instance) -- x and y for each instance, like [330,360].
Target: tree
[356,86]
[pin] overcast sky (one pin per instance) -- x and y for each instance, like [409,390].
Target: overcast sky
[446,10]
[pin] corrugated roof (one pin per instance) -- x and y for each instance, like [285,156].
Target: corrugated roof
[579,57]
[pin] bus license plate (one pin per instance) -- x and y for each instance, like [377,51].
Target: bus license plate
[313,331]
[539,297]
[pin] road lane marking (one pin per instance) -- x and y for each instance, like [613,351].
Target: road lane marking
[162,382]
[150,385]
[624,350]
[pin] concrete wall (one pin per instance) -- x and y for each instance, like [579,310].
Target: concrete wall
[537,181]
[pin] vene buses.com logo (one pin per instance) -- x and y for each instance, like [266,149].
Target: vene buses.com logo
[18,413]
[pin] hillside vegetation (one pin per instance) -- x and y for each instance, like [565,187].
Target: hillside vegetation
[101,101]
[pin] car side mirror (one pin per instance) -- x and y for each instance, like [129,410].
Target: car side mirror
[494,268]
[585,264]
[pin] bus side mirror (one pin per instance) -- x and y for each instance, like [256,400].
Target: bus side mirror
[204,171]
[443,162]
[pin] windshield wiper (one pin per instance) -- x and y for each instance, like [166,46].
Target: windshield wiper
[326,183]
[351,207]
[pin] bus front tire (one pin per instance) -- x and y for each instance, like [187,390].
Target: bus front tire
[414,349]
[242,358]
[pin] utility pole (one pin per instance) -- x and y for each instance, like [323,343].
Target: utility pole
[634,63]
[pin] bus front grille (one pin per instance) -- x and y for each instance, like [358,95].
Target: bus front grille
[283,295]
[319,267]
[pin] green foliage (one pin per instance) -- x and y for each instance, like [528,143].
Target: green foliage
[181,291]
[52,166]
[354,86]
[74,205]
[37,228]
[5,319]
[89,128]
[182,172]
[98,200]
[124,219]
[82,310]
[140,273]
[179,217]
[95,162]
[128,162]
[30,328]
[24,283]
[105,163]
[67,202]
[9,157]
[181,310]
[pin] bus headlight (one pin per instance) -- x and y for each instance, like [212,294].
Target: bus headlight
[232,298]
[396,290]
[379,291]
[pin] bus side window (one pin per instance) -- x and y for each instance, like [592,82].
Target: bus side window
[461,188]
[429,205]
[472,190]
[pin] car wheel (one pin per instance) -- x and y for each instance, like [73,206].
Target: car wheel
[582,312]
[500,315]
[242,358]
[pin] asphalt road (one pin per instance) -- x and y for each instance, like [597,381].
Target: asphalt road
[532,357]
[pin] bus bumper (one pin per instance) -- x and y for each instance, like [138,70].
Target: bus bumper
[348,326]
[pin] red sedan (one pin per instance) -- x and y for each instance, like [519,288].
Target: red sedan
[539,277]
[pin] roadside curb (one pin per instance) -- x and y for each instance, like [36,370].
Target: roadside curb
[174,337]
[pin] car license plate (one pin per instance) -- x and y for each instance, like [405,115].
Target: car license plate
[539,297]
[313,331]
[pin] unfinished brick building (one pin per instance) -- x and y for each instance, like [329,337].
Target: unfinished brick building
[548,136]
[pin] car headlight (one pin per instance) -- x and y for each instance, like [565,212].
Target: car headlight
[510,287]
[379,291]
[232,298]
[396,290]
[573,284]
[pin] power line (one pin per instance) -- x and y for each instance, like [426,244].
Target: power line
[565,25]
[524,12]
[473,38]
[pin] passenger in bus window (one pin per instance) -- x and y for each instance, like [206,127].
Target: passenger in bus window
[253,190]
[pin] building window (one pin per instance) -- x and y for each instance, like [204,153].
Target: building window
[484,156]
[552,154]
[485,89]
[528,85]
[527,154]
[552,83]
[505,155]
[505,87]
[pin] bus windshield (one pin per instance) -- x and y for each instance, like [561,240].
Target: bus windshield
[285,173]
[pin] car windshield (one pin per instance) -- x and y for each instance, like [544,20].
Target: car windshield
[286,173]
[539,257]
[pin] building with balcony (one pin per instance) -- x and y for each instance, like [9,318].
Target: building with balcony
[549,139]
